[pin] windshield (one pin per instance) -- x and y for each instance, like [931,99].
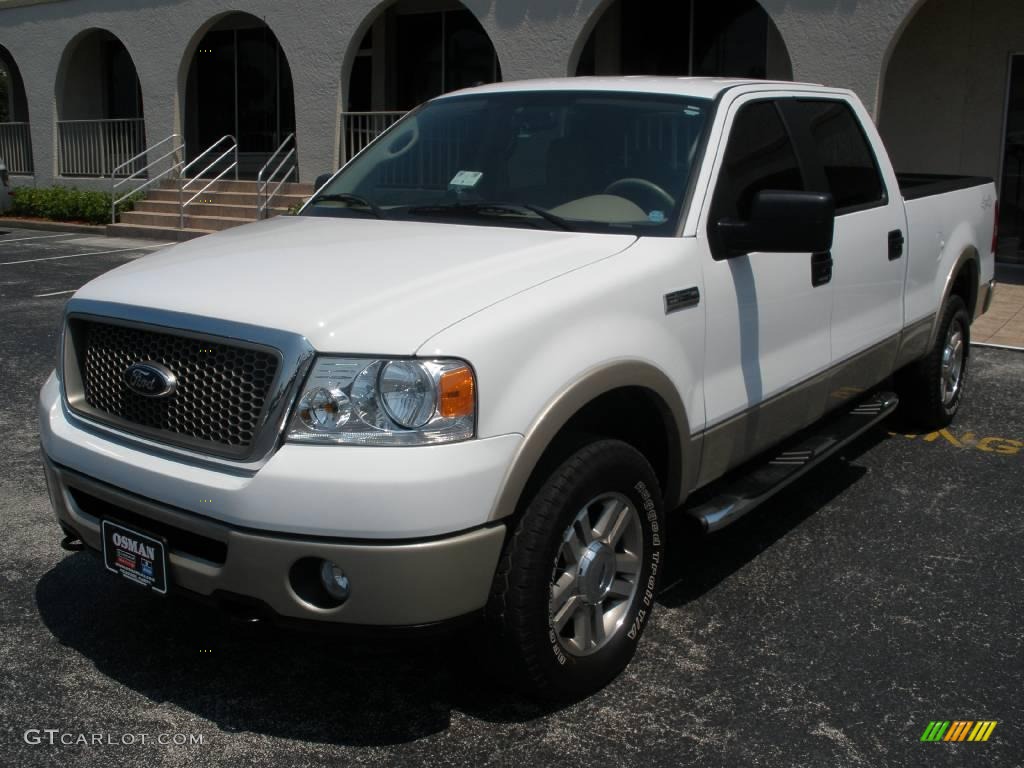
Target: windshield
[573,160]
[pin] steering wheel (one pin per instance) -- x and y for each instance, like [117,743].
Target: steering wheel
[648,188]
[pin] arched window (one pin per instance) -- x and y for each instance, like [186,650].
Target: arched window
[411,52]
[239,84]
[731,38]
[15,139]
[100,123]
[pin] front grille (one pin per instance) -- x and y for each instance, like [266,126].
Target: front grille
[221,393]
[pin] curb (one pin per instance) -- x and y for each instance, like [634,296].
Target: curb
[53,226]
[996,346]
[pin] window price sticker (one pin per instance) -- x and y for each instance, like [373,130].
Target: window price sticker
[465,179]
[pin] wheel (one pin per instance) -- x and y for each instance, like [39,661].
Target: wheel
[648,189]
[931,389]
[575,585]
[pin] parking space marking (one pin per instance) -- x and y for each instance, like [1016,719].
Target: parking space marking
[76,255]
[37,237]
[55,293]
[998,445]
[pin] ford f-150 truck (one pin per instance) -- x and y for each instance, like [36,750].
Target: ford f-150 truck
[491,353]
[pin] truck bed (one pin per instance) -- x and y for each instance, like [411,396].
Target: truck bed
[914,186]
[946,215]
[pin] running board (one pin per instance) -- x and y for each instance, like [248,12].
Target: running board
[764,481]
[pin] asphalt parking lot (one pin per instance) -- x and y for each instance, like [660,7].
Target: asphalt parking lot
[882,592]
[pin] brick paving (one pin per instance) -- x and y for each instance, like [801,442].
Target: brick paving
[1003,324]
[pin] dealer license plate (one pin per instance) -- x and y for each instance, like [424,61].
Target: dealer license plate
[136,556]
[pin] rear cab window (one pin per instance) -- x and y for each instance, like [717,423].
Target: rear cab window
[842,161]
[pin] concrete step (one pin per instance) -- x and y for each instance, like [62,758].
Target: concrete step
[214,208]
[167,234]
[191,222]
[224,185]
[227,198]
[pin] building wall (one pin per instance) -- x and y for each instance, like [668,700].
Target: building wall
[943,99]
[533,38]
[838,42]
[841,43]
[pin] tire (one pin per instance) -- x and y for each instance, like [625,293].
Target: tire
[932,389]
[554,596]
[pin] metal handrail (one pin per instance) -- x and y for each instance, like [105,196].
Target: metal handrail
[262,185]
[127,163]
[183,186]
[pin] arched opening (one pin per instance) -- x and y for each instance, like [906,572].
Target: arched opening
[100,124]
[239,84]
[15,138]
[727,38]
[411,51]
[953,100]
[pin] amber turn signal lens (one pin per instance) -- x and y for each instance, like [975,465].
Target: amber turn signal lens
[457,395]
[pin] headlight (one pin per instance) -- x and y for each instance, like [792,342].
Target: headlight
[408,393]
[386,402]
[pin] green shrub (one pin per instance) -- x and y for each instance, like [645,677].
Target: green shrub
[66,204]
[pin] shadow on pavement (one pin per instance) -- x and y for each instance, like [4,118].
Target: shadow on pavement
[698,562]
[331,689]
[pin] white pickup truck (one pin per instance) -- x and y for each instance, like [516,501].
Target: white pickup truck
[499,346]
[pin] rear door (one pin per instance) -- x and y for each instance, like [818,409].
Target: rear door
[767,339]
[869,248]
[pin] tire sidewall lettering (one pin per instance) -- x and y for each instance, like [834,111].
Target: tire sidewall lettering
[643,601]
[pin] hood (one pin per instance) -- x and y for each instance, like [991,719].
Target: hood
[360,286]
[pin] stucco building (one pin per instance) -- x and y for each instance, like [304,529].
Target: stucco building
[86,84]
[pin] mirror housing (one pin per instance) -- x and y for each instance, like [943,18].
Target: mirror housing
[322,179]
[780,221]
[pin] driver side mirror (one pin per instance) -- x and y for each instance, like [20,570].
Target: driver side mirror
[322,179]
[780,222]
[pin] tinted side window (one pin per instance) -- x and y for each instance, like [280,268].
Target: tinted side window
[843,149]
[759,156]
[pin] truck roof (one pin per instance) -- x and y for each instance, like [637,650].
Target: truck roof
[697,87]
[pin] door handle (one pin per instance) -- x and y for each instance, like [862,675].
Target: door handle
[821,268]
[896,242]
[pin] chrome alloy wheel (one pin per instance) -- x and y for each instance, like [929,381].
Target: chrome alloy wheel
[952,363]
[596,574]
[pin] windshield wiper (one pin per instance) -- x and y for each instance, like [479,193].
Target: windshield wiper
[352,200]
[498,209]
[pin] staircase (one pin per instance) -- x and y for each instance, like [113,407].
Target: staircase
[226,204]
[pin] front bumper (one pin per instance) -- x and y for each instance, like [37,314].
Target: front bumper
[409,526]
[393,584]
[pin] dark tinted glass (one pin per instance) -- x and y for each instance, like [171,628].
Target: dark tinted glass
[1011,200]
[731,39]
[441,52]
[759,156]
[604,160]
[849,164]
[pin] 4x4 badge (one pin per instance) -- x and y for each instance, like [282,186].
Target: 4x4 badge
[150,380]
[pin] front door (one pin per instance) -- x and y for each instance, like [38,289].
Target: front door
[869,246]
[767,340]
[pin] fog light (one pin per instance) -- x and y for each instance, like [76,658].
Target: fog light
[334,580]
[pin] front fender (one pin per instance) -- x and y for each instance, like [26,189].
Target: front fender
[542,355]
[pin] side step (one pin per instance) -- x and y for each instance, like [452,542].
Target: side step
[762,482]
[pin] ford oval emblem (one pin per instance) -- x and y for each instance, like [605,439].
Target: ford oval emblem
[150,380]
